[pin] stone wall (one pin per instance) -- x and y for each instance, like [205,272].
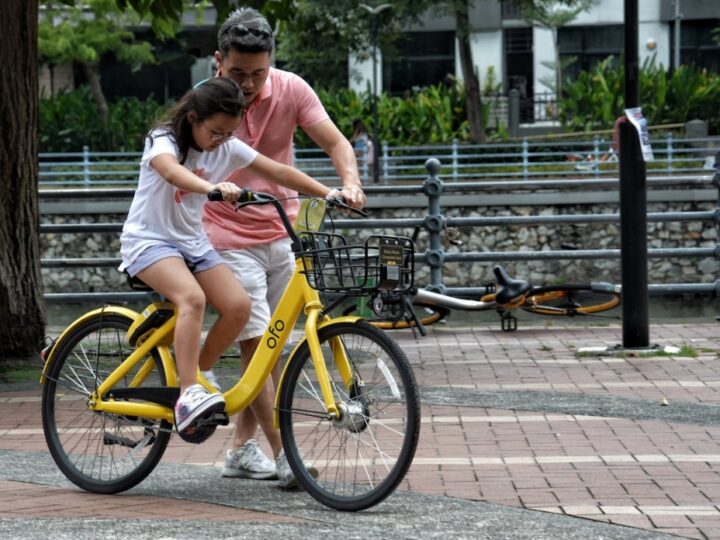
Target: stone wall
[507,238]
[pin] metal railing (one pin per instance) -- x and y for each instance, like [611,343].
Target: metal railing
[524,159]
[434,223]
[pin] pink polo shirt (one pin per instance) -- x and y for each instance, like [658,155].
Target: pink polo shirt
[285,102]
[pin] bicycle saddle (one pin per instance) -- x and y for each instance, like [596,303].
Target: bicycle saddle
[509,289]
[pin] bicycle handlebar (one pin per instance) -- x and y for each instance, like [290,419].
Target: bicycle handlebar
[258,197]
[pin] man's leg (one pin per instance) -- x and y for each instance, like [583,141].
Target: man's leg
[260,411]
[256,269]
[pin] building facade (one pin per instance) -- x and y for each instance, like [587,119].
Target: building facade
[520,56]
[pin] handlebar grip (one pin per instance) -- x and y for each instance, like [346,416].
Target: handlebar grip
[245,196]
[341,202]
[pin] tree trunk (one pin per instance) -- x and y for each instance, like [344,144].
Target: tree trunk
[473,98]
[92,71]
[22,309]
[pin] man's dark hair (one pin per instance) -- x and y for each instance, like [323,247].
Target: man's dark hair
[246,30]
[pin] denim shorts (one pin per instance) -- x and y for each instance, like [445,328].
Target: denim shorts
[153,254]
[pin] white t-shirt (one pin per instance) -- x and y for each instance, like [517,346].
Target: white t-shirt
[161,213]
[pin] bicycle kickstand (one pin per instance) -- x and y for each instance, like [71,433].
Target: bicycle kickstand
[508,322]
[410,315]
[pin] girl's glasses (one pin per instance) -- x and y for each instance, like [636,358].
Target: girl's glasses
[217,136]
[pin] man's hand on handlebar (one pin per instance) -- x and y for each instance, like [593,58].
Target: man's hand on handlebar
[338,199]
[354,196]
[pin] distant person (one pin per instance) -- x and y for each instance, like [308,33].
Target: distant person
[363,143]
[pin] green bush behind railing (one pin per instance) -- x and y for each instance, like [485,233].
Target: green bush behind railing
[595,99]
[432,115]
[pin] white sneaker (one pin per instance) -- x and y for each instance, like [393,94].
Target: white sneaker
[249,461]
[286,477]
[212,379]
[194,402]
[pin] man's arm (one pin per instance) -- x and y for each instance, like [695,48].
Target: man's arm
[328,137]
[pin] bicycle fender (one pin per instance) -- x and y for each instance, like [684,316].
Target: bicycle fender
[324,324]
[119,310]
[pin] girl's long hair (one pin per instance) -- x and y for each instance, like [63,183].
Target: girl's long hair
[217,95]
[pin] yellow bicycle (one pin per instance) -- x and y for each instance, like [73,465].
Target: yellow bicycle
[347,403]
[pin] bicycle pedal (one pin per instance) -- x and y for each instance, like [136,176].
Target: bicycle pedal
[204,426]
[220,418]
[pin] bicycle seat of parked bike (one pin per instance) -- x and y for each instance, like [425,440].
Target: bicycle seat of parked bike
[509,289]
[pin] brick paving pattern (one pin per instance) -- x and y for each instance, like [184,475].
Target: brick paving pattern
[625,469]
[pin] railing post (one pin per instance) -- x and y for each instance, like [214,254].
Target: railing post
[596,156]
[669,147]
[716,183]
[385,168]
[455,160]
[525,158]
[434,224]
[86,166]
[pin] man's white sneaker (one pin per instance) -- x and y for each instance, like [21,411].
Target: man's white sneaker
[193,403]
[249,461]
[286,477]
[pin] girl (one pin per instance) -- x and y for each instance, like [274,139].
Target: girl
[163,242]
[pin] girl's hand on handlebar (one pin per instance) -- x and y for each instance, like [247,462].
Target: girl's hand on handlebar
[230,192]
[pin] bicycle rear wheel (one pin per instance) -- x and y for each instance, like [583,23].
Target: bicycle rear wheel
[570,300]
[100,452]
[361,457]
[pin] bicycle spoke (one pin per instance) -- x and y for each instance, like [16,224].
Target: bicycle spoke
[98,451]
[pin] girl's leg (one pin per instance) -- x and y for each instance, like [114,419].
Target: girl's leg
[232,303]
[171,278]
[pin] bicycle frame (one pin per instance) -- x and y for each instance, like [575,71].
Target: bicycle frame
[298,297]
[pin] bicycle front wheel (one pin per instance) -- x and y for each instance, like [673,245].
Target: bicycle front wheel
[100,452]
[356,460]
[570,300]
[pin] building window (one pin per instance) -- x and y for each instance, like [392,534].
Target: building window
[518,43]
[420,59]
[589,45]
[511,10]
[697,45]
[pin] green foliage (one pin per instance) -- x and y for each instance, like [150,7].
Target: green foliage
[433,115]
[552,14]
[87,31]
[70,120]
[595,99]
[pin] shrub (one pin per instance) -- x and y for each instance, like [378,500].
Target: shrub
[596,98]
[69,121]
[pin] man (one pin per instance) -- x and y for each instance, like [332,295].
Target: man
[253,242]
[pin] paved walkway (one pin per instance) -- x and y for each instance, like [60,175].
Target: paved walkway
[521,438]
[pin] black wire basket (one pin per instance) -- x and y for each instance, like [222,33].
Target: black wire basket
[380,263]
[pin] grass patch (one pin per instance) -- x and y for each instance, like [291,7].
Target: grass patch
[19,371]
